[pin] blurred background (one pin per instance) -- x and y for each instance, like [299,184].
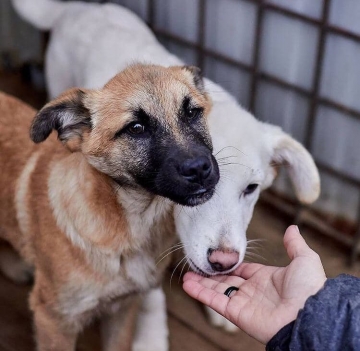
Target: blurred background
[292,63]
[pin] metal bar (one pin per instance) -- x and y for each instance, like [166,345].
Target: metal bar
[201,33]
[209,52]
[151,14]
[352,113]
[317,77]
[295,15]
[310,20]
[356,246]
[283,84]
[338,174]
[260,75]
[355,114]
[303,214]
[256,55]
[345,33]
[307,216]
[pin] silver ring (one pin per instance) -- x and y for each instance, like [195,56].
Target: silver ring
[229,290]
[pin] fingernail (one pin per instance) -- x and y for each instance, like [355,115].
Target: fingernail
[297,228]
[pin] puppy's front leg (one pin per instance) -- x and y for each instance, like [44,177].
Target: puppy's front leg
[117,328]
[152,331]
[217,320]
[51,334]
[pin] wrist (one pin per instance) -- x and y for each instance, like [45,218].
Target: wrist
[281,340]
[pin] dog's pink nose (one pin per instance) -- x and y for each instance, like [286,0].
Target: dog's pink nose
[222,260]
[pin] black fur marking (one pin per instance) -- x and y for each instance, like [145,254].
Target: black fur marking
[142,118]
[198,79]
[185,104]
[162,172]
[73,112]
[190,113]
[142,115]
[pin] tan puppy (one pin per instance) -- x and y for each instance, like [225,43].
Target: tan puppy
[90,213]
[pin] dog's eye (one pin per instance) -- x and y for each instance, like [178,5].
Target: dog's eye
[136,128]
[250,189]
[193,112]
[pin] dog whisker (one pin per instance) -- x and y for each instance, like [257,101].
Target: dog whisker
[252,255]
[227,147]
[172,274]
[185,263]
[169,253]
[220,159]
[158,262]
[233,163]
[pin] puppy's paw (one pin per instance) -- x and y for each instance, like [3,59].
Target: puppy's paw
[151,345]
[152,333]
[217,320]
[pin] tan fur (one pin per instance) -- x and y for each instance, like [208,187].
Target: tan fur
[93,244]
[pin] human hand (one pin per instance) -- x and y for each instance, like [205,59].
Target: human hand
[268,297]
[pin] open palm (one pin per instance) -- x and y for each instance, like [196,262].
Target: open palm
[268,297]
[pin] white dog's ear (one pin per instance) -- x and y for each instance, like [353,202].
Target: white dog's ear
[298,161]
[67,115]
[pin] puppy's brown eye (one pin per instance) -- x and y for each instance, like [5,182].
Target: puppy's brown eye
[136,128]
[193,113]
[190,112]
[250,189]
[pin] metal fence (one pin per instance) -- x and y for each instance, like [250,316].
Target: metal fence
[325,28]
[302,214]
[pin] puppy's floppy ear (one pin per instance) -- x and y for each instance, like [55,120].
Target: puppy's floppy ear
[67,115]
[299,163]
[197,76]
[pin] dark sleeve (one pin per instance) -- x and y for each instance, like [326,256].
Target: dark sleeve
[329,321]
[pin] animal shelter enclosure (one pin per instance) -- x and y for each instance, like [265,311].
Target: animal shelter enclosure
[293,64]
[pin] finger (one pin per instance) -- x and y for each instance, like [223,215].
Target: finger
[295,244]
[192,276]
[231,280]
[216,283]
[247,270]
[216,300]
[228,279]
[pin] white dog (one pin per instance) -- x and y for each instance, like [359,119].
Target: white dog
[89,44]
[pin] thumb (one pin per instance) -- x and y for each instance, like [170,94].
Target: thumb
[295,244]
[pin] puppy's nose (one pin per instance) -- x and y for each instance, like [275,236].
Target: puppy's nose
[222,260]
[197,169]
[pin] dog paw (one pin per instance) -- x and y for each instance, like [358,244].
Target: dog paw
[153,345]
[217,320]
[152,333]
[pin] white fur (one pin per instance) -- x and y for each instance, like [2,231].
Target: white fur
[90,43]
[245,148]
[77,229]
[22,188]
[141,218]
[152,333]
[217,320]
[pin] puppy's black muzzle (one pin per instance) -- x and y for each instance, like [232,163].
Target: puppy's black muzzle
[196,170]
[189,178]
